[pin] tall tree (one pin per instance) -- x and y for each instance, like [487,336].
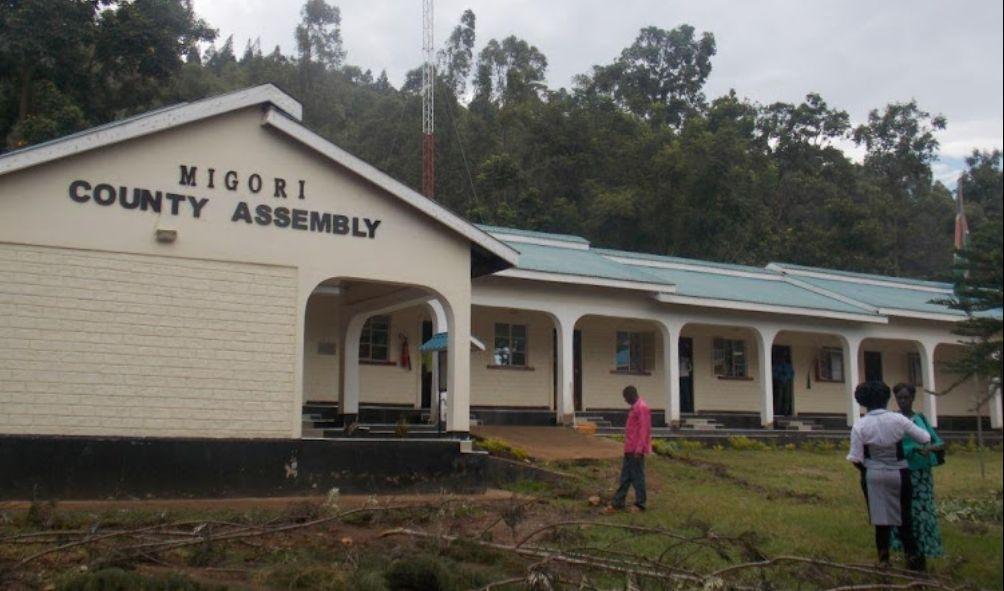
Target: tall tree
[456,58]
[983,185]
[140,46]
[661,76]
[319,34]
[901,147]
[509,72]
[42,63]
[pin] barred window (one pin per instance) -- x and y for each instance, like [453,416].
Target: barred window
[510,345]
[635,352]
[374,343]
[831,365]
[730,358]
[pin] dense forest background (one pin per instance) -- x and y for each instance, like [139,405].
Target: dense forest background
[633,156]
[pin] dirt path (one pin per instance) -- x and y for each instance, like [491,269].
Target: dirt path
[553,443]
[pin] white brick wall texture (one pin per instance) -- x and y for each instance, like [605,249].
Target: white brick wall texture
[98,343]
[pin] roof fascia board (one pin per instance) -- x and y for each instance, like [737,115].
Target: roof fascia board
[830,294]
[859,280]
[921,315]
[585,280]
[541,241]
[766,276]
[140,126]
[770,308]
[297,131]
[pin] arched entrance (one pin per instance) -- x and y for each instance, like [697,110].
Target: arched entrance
[361,346]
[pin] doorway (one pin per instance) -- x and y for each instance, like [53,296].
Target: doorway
[427,366]
[783,372]
[577,368]
[686,354]
[873,366]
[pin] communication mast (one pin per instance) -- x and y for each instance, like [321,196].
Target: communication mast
[428,103]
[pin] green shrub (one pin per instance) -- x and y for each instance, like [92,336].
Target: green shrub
[116,579]
[669,447]
[502,448]
[985,510]
[300,576]
[743,443]
[366,580]
[820,446]
[422,572]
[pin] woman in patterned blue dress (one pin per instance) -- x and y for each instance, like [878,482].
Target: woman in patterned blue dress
[921,459]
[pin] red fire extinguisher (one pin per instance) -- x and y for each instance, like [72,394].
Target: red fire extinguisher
[405,355]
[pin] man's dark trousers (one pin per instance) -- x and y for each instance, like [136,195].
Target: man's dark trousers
[632,473]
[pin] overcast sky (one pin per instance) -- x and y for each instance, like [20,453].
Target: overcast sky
[859,55]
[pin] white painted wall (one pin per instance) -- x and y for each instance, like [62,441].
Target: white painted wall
[97,343]
[35,209]
[530,387]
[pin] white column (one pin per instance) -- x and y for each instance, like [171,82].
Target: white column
[565,379]
[850,346]
[671,364]
[929,401]
[458,384]
[348,366]
[996,412]
[765,342]
[439,324]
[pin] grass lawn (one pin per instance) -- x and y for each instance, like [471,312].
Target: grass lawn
[731,506]
[808,502]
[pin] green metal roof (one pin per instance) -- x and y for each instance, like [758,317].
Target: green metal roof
[580,262]
[533,234]
[868,276]
[767,290]
[775,285]
[644,256]
[886,296]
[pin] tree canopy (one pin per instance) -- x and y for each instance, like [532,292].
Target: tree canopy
[633,156]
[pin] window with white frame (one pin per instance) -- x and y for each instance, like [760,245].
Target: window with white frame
[510,345]
[374,342]
[729,358]
[635,352]
[830,367]
[914,373]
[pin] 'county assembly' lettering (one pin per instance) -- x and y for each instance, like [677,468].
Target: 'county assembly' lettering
[243,211]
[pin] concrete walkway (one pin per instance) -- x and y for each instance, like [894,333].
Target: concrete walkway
[553,443]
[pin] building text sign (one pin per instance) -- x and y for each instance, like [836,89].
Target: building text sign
[181,203]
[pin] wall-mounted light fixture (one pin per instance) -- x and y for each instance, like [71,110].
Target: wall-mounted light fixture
[166,236]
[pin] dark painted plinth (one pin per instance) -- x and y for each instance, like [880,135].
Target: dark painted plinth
[47,467]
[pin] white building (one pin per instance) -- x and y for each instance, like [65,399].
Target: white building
[208,269]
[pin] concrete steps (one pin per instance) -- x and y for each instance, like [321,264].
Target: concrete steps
[700,424]
[598,420]
[800,424]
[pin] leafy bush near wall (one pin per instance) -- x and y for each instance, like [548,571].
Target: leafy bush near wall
[977,510]
[669,447]
[743,443]
[502,448]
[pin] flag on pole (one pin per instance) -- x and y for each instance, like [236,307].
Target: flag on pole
[961,225]
[961,230]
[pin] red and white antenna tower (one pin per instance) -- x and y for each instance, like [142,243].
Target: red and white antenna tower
[428,103]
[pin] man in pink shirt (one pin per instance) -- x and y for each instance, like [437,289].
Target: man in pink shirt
[637,445]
